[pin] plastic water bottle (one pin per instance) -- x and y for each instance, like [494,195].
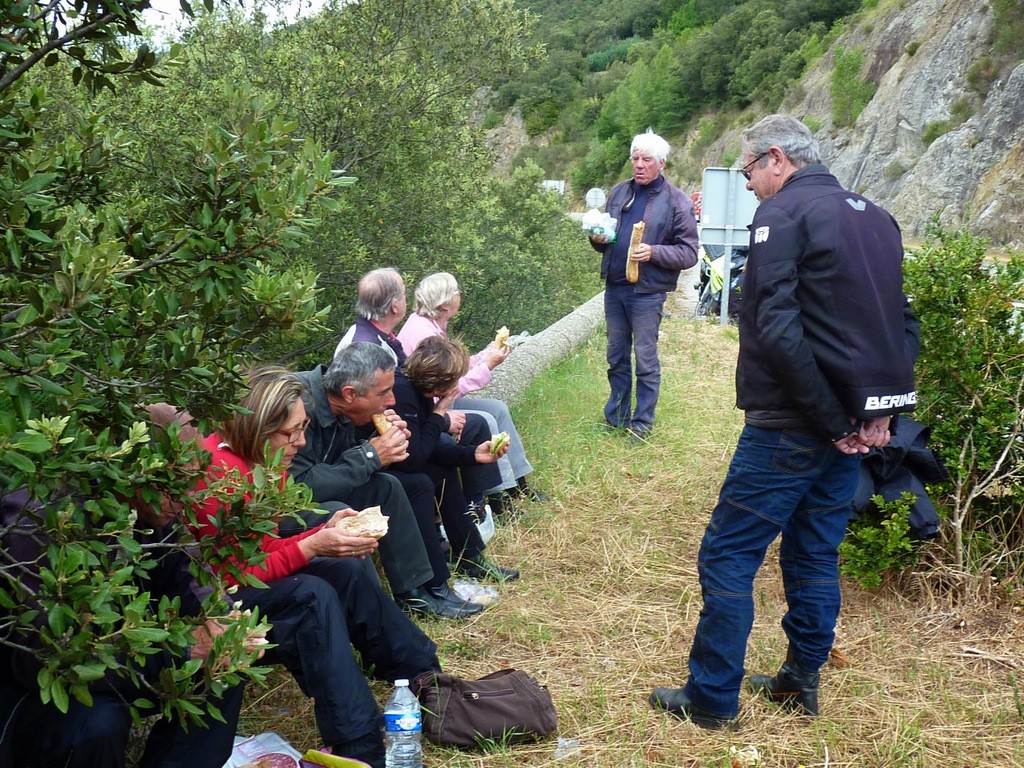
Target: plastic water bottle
[403,726]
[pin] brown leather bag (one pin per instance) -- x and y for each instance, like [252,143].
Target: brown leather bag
[505,707]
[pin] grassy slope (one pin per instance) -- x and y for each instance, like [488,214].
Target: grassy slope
[609,600]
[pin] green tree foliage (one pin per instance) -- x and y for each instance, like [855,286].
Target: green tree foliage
[397,109]
[703,55]
[850,94]
[520,261]
[970,375]
[118,291]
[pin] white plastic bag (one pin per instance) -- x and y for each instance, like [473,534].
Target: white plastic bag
[247,750]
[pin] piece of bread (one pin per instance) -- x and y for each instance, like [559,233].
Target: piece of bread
[501,337]
[380,421]
[633,267]
[369,522]
[498,441]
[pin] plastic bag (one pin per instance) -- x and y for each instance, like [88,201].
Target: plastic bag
[597,223]
[269,746]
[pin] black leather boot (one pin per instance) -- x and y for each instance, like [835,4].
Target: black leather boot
[446,595]
[423,600]
[677,703]
[792,687]
[526,491]
[478,567]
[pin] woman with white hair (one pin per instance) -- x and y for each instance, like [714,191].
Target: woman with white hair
[438,299]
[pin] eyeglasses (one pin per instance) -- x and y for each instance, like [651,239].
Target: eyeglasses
[293,434]
[745,170]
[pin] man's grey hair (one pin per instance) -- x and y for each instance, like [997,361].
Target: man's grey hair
[378,291]
[650,142]
[785,132]
[357,366]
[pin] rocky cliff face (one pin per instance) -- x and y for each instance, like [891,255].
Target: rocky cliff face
[919,54]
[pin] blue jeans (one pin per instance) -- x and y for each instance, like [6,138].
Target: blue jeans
[779,481]
[633,320]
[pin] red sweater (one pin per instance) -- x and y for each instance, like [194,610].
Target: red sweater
[284,557]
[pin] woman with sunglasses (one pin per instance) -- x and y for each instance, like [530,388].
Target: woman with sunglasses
[321,593]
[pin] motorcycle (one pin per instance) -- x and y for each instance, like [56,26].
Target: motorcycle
[711,278]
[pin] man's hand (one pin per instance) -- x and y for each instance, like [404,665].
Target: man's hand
[851,445]
[391,446]
[642,252]
[601,239]
[483,454]
[874,433]
[204,634]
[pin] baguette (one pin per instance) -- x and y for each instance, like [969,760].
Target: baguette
[501,337]
[633,267]
[380,421]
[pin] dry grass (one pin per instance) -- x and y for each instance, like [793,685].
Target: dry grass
[609,600]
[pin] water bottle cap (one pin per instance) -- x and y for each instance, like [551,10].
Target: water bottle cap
[402,683]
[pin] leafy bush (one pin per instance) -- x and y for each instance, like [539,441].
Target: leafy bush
[121,290]
[970,378]
[878,541]
[934,129]
[982,73]
[599,61]
[849,93]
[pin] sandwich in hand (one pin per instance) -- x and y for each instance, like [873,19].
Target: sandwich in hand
[501,337]
[498,442]
[369,522]
[633,267]
[380,421]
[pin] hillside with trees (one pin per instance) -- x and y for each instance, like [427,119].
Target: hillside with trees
[916,104]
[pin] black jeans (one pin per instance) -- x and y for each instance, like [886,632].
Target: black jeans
[319,614]
[448,495]
[40,736]
[404,555]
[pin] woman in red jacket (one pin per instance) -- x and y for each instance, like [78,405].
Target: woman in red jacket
[322,594]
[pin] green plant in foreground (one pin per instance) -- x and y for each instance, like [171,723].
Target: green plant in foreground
[879,541]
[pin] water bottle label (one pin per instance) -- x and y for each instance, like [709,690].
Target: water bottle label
[405,722]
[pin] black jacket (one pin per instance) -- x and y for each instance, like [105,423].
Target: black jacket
[426,429]
[826,332]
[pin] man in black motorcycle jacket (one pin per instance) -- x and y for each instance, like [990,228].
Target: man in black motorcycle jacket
[827,348]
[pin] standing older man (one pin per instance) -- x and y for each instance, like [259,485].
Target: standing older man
[827,349]
[633,311]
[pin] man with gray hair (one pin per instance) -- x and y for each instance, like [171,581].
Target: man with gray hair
[826,361]
[381,305]
[337,465]
[633,309]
